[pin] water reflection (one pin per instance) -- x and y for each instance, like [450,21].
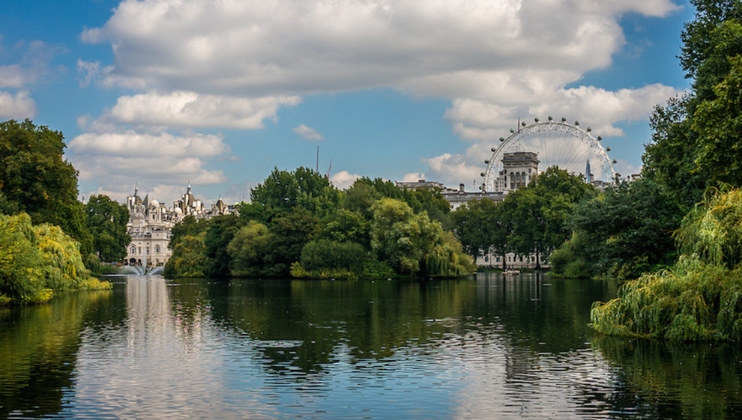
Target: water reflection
[163,364]
[486,347]
[38,353]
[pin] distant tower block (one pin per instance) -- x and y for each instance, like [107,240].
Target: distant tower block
[588,173]
[518,169]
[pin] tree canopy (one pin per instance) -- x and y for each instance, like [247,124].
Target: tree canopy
[35,179]
[106,220]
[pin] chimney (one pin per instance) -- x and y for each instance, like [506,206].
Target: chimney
[461,187]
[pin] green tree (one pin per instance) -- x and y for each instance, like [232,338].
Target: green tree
[329,259]
[401,237]
[35,178]
[188,259]
[670,158]
[220,232]
[106,220]
[346,226]
[627,230]
[36,260]
[480,225]
[289,234]
[188,226]
[539,212]
[360,197]
[302,188]
[718,123]
[248,250]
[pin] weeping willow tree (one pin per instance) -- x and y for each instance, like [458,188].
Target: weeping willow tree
[37,260]
[448,259]
[700,297]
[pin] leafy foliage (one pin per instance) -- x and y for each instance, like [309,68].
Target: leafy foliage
[34,179]
[188,259]
[35,260]
[248,249]
[106,220]
[401,237]
[303,188]
[625,231]
[323,259]
[701,297]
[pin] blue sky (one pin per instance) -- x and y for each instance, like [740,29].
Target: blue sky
[157,93]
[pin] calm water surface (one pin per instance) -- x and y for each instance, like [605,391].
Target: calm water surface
[478,348]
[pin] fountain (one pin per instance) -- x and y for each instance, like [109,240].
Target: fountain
[143,270]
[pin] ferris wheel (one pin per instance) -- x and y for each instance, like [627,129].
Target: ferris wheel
[557,143]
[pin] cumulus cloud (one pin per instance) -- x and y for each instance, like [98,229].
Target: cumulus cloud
[228,63]
[183,109]
[314,46]
[18,106]
[308,133]
[115,159]
[343,179]
[485,120]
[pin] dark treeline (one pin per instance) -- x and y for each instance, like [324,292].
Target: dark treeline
[297,224]
[49,240]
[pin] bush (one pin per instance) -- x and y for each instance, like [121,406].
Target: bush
[328,259]
[36,260]
[188,259]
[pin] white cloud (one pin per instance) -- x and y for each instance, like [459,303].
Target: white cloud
[257,49]
[601,109]
[117,160]
[307,133]
[131,144]
[190,109]
[229,63]
[413,177]
[343,179]
[18,106]
[13,76]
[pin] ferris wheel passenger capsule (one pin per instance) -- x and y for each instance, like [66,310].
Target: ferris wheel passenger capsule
[501,139]
[607,149]
[577,123]
[550,118]
[487,161]
[564,119]
[523,123]
[589,129]
[615,161]
[512,130]
[536,119]
[599,138]
[493,150]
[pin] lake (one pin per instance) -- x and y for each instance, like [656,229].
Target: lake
[483,347]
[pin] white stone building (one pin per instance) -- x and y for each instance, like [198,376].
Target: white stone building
[150,223]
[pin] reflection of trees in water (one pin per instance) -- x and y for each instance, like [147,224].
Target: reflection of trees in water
[682,380]
[38,349]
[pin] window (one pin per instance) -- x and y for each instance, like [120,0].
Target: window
[133,249]
[157,249]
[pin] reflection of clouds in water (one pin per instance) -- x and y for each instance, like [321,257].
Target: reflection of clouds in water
[154,370]
[513,382]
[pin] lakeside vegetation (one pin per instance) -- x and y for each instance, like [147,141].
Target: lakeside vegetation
[695,157]
[299,225]
[50,241]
